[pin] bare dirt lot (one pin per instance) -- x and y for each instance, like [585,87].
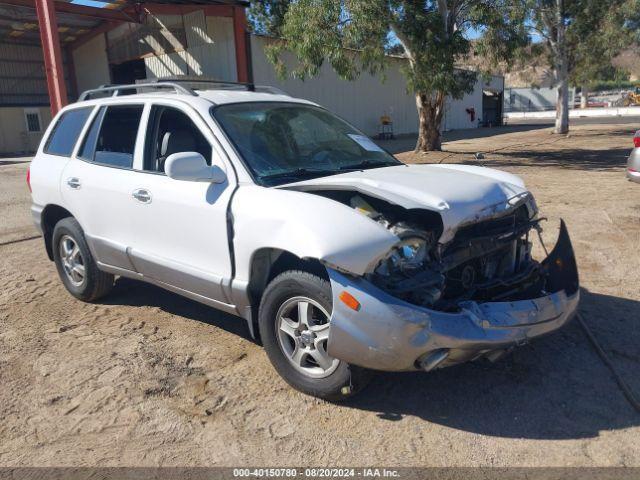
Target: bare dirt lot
[148,378]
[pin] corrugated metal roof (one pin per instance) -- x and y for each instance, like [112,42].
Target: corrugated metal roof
[19,24]
[22,72]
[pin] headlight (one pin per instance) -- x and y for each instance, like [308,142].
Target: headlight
[407,256]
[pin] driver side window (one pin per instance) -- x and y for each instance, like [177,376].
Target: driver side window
[171,131]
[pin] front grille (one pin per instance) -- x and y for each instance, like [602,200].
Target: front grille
[495,226]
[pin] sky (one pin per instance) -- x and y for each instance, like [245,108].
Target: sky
[89,3]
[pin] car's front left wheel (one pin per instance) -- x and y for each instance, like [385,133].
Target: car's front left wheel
[294,322]
[76,266]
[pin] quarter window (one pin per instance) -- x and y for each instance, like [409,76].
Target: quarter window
[66,132]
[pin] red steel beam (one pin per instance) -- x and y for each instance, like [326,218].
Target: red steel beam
[52,55]
[82,10]
[240,36]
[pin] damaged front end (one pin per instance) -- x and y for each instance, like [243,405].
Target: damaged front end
[429,305]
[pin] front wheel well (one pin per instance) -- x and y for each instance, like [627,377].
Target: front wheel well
[267,264]
[51,215]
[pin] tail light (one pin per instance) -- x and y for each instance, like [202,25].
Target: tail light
[29,178]
[636,139]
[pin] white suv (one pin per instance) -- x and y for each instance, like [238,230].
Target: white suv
[340,258]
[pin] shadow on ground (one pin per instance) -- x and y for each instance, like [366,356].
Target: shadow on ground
[406,143]
[554,388]
[572,159]
[140,294]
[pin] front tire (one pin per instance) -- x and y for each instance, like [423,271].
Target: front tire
[76,266]
[294,326]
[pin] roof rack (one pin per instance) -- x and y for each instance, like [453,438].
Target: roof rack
[249,86]
[174,84]
[116,89]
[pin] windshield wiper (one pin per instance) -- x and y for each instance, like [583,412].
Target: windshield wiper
[298,172]
[366,164]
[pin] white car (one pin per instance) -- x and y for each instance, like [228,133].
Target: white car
[340,258]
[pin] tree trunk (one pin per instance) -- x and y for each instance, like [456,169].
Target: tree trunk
[562,107]
[584,97]
[562,72]
[430,110]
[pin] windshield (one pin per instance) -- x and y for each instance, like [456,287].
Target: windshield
[288,142]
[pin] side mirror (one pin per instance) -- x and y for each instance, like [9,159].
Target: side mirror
[192,167]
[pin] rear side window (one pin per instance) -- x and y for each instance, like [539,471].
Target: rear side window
[66,132]
[111,140]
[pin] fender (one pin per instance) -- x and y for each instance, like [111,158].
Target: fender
[306,225]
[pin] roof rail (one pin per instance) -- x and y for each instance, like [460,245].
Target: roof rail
[116,89]
[252,87]
[249,86]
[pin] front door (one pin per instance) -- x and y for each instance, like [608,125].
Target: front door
[181,235]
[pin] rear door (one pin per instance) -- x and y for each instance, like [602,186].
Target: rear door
[50,161]
[98,181]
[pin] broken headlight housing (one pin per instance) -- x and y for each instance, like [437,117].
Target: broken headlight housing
[405,272]
[406,257]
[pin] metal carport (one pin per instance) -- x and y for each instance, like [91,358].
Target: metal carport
[60,24]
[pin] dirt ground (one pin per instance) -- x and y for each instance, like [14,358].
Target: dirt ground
[147,378]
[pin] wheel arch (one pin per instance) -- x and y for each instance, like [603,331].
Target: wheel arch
[51,215]
[265,265]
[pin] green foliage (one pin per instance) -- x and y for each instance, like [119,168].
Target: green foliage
[612,85]
[352,36]
[597,33]
[266,18]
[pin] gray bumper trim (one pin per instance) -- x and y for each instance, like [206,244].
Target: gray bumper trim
[36,215]
[634,163]
[389,334]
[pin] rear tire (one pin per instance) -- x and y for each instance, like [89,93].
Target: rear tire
[294,323]
[77,269]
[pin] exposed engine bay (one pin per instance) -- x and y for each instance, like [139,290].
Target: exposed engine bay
[487,260]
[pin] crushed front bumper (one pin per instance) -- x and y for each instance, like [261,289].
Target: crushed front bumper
[386,333]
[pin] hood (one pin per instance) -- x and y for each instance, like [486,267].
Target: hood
[461,194]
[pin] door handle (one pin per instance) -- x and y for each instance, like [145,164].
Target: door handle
[74,183]
[142,195]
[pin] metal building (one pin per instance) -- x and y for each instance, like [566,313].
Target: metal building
[51,50]
[533,99]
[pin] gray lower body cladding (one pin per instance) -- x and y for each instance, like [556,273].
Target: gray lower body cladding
[386,333]
[633,166]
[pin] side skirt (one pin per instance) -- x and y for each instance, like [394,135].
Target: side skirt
[225,307]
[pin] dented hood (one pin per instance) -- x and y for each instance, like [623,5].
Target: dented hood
[461,194]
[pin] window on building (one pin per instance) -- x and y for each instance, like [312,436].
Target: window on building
[32,118]
[66,132]
[115,143]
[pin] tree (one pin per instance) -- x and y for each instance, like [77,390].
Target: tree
[353,36]
[582,38]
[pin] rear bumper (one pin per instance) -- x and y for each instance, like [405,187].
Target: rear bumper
[36,215]
[633,166]
[390,334]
